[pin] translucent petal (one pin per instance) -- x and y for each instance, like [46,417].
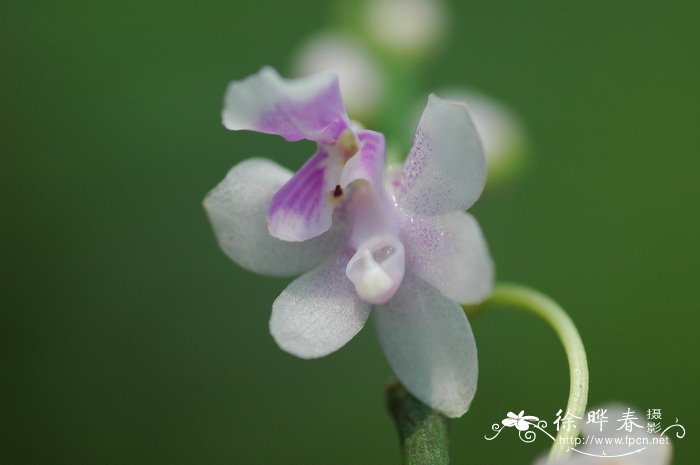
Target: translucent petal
[445,170]
[319,312]
[237,209]
[450,252]
[430,346]
[308,108]
[502,134]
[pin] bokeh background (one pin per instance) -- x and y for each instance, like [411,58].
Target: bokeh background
[126,336]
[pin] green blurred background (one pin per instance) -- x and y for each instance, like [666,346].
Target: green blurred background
[126,336]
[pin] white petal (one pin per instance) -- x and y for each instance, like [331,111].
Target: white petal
[509,422]
[307,108]
[450,252]
[237,209]
[319,312]
[501,133]
[446,168]
[430,346]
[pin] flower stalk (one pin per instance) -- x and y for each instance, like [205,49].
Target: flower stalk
[517,296]
[422,430]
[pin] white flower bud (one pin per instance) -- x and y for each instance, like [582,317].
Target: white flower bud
[500,130]
[361,80]
[406,27]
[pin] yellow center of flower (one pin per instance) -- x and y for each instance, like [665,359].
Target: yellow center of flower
[347,143]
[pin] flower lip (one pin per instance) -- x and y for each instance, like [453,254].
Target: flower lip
[377,268]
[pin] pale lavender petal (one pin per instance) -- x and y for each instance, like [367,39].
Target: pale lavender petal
[430,346]
[319,312]
[450,252]
[303,207]
[308,108]
[237,209]
[368,162]
[445,170]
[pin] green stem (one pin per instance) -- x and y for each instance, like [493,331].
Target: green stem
[422,430]
[522,297]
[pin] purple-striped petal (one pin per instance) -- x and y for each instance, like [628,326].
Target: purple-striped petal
[445,170]
[303,207]
[237,208]
[308,108]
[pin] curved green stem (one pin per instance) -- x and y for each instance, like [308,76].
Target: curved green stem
[522,297]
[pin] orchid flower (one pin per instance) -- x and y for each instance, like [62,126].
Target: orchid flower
[401,244]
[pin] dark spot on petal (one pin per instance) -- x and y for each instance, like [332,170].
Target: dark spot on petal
[338,191]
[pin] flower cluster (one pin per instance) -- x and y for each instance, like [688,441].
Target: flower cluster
[392,242]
